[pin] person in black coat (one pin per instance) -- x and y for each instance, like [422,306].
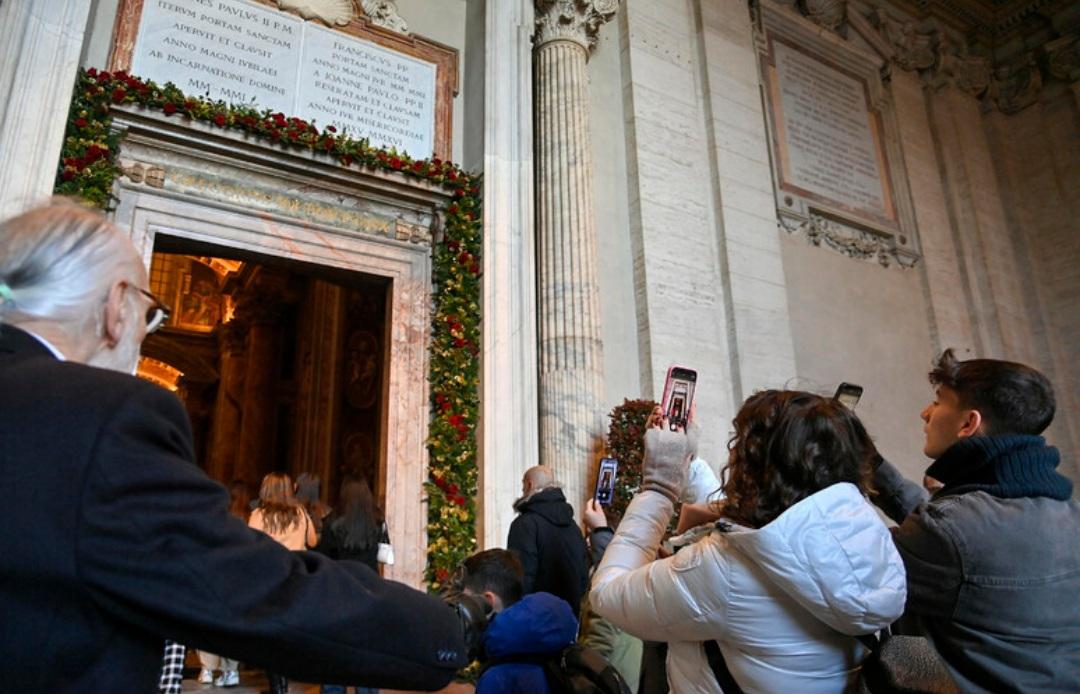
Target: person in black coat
[116,540]
[548,541]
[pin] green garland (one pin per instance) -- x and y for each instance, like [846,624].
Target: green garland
[88,168]
[626,443]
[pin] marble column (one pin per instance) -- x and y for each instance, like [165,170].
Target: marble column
[509,435]
[571,351]
[318,381]
[262,310]
[225,429]
[42,41]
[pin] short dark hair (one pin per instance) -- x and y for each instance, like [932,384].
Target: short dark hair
[497,570]
[1012,398]
[788,445]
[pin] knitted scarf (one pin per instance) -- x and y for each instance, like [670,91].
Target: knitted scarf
[1009,466]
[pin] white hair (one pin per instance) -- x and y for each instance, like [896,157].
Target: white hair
[57,262]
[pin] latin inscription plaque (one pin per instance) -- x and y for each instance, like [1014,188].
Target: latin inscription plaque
[827,138]
[245,53]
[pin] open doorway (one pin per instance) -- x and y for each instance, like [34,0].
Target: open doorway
[282,365]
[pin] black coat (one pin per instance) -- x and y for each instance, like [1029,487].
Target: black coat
[114,540]
[551,547]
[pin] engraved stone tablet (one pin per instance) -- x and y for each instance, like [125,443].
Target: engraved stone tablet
[827,137]
[245,53]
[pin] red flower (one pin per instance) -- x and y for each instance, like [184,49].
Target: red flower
[459,343]
[219,120]
[67,175]
[441,575]
[474,269]
[445,406]
[346,160]
[331,128]
[464,258]
[452,489]
[418,166]
[453,246]
[458,499]
[437,163]
[190,105]
[80,122]
[92,72]
[169,108]
[453,209]
[104,77]
[452,175]
[455,420]
[118,95]
[395,163]
[452,318]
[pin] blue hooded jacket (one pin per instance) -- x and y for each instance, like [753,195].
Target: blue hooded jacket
[538,624]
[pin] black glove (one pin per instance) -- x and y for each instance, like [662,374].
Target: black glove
[474,613]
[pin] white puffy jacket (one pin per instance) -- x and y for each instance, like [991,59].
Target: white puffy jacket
[784,602]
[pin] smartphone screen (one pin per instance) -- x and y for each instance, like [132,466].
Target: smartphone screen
[678,395]
[605,481]
[848,395]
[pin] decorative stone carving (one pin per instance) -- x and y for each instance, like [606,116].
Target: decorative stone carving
[914,49]
[969,73]
[826,13]
[1062,58]
[572,20]
[1017,86]
[333,12]
[851,241]
[384,13]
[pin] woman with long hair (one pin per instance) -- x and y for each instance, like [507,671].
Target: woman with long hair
[798,566]
[282,518]
[353,532]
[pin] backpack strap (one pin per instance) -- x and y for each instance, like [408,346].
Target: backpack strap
[720,669]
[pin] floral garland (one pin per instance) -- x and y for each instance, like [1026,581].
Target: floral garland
[88,168]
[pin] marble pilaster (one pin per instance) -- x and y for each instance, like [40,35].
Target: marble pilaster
[225,429]
[42,42]
[571,351]
[317,381]
[509,435]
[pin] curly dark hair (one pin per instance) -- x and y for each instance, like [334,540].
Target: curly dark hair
[788,445]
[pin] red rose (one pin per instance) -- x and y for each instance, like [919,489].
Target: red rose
[453,209]
[92,72]
[219,120]
[453,489]
[459,500]
[474,269]
[104,77]
[118,95]
[346,160]
[441,575]
[436,162]
[67,175]
[452,175]
[169,108]
[464,258]
[418,166]
[454,420]
[80,122]
[452,318]
[395,163]
[459,343]
[445,406]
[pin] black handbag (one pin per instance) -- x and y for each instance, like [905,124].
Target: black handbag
[903,665]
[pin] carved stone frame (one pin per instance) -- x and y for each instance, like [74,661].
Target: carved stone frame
[856,235]
[445,59]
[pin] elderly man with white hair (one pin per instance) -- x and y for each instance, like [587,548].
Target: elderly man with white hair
[115,539]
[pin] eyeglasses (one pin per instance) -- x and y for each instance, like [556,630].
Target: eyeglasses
[158,312]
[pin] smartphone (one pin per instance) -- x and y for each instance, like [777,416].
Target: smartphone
[678,395]
[605,481]
[848,395]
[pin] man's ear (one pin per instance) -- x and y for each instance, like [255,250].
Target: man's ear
[971,424]
[493,600]
[113,328]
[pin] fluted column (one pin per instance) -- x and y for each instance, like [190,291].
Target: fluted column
[42,41]
[571,351]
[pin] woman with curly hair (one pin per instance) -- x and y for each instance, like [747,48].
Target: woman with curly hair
[798,566]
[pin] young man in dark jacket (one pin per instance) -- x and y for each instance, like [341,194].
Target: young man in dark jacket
[993,557]
[523,629]
[548,541]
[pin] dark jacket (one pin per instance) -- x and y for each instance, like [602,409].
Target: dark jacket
[551,547]
[538,624]
[116,540]
[993,563]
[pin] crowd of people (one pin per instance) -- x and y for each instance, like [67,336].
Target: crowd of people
[783,576]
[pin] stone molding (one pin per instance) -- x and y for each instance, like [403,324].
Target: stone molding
[572,20]
[332,12]
[848,240]
[384,13]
